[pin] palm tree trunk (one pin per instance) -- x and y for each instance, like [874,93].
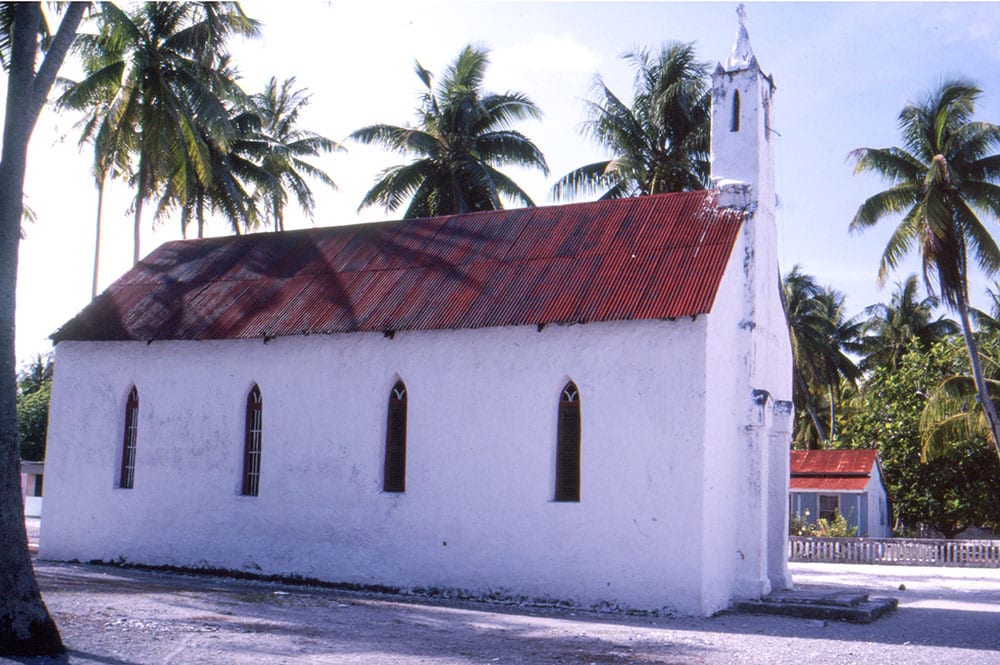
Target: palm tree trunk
[26,629]
[810,407]
[982,393]
[97,234]
[833,409]
[140,196]
[136,230]
[200,203]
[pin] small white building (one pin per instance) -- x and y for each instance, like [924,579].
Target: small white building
[587,403]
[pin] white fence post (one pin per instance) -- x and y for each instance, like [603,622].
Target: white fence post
[901,551]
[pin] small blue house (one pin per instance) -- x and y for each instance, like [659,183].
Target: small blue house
[824,482]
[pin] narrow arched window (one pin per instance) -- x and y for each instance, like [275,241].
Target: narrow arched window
[734,119]
[395,441]
[568,445]
[252,443]
[126,478]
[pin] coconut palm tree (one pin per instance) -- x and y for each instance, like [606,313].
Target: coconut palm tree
[989,322]
[942,179]
[160,63]
[112,146]
[808,330]
[843,334]
[227,192]
[278,107]
[461,137]
[822,337]
[660,143]
[892,329]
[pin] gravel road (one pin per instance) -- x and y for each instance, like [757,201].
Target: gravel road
[112,616]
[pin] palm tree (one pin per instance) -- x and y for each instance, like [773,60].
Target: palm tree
[894,328]
[161,66]
[822,336]
[942,179]
[807,327]
[26,628]
[953,411]
[112,146]
[226,192]
[279,107]
[989,323]
[661,143]
[462,135]
[842,337]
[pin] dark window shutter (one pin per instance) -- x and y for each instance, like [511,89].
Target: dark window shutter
[568,446]
[395,442]
[252,443]
[126,478]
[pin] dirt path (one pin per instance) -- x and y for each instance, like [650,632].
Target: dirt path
[118,617]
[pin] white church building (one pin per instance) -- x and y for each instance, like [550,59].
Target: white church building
[587,403]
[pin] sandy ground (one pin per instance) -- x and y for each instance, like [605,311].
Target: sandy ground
[114,616]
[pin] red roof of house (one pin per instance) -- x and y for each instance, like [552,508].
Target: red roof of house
[654,257]
[833,470]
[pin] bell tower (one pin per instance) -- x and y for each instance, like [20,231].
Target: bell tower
[742,135]
[755,328]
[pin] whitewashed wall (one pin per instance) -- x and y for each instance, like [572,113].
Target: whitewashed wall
[879,521]
[478,512]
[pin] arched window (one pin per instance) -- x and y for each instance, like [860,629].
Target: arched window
[126,478]
[568,445]
[251,449]
[734,119]
[395,441]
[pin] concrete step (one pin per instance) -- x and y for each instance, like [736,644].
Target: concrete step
[851,606]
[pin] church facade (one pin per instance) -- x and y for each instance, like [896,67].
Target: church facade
[586,403]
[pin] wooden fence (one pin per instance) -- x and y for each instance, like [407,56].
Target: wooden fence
[896,551]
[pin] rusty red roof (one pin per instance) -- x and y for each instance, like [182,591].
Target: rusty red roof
[832,470]
[653,257]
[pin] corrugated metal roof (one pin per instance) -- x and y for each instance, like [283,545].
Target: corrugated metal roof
[826,484]
[655,257]
[833,462]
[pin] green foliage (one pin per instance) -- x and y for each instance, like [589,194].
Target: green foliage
[33,421]
[950,493]
[287,144]
[835,528]
[822,335]
[799,525]
[660,143]
[34,387]
[943,179]
[155,90]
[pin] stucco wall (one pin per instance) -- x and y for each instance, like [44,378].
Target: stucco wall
[478,512]
[879,523]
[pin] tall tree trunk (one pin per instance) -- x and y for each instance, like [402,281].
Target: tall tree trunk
[200,203]
[97,233]
[810,407]
[982,393]
[833,413]
[26,629]
[137,227]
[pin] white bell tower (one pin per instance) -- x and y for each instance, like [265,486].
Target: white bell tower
[742,135]
[743,173]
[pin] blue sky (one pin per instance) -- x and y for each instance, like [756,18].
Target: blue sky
[843,72]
